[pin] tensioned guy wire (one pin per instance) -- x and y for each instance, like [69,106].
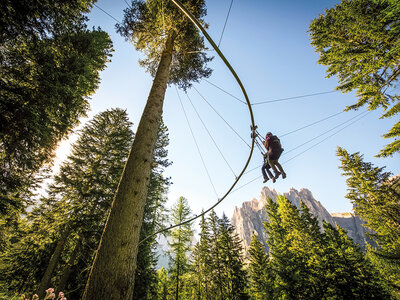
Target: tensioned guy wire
[253,126]
[209,134]
[221,116]
[221,89]
[358,117]
[314,138]
[195,141]
[226,21]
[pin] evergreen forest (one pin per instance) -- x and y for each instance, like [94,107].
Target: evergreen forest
[94,227]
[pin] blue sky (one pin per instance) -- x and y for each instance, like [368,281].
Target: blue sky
[268,45]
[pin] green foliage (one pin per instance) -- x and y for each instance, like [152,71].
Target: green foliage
[50,66]
[35,19]
[359,42]
[376,199]
[76,208]
[218,267]
[308,264]
[153,220]
[148,23]
[162,284]
[260,272]
[179,242]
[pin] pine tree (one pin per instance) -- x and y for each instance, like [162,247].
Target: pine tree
[359,42]
[180,242]
[234,276]
[163,284]
[292,250]
[153,220]
[73,214]
[309,264]
[50,65]
[164,34]
[215,270]
[261,275]
[201,262]
[348,274]
[376,199]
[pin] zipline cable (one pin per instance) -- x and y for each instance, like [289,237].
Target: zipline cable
[295,97]
[316,122]
[270,101]
[316,144]
[220,116]
[221,89]
[365,114]
[314,138]
[253,126]
[226,21]
[333,128]
[195,141]
[209,134]
[106,13]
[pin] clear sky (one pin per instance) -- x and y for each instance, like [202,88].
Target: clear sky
[268,45]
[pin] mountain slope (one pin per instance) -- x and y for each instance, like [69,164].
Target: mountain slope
[250,217]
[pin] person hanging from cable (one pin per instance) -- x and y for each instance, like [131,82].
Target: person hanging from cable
[265,169]
[274,148]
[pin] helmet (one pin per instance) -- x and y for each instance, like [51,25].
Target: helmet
[268,134]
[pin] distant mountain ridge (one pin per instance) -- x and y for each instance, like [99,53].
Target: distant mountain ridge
[250,217]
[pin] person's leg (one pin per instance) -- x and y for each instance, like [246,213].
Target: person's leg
[280,169]
[269,172]
[263,169]
[272,164]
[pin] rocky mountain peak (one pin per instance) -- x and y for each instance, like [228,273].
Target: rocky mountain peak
[250,217]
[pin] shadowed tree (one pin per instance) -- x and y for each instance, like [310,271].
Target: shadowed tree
[179,242]
[154,218]
[359,41]
[260,272]
[376,199]
[49,66]
[73,214]
[165,35]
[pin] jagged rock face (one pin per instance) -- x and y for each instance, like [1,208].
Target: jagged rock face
[251,216]
[354,227]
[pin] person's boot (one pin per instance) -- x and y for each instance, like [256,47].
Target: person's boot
[283,175]
[265,180]
[277,175]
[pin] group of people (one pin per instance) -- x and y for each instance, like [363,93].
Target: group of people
[274,151]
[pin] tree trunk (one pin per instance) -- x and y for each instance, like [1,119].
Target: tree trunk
[45,282]
[68,269]
[113,272]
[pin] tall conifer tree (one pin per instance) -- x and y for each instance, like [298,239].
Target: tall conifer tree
[180,244]
[376,199]
[79,198]
[160,30]
[260,271]
[154,218]
[49,66]
[309,264]
[359,42]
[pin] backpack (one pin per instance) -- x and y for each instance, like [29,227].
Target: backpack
[275,144]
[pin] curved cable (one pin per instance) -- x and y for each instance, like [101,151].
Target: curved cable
[253,126]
